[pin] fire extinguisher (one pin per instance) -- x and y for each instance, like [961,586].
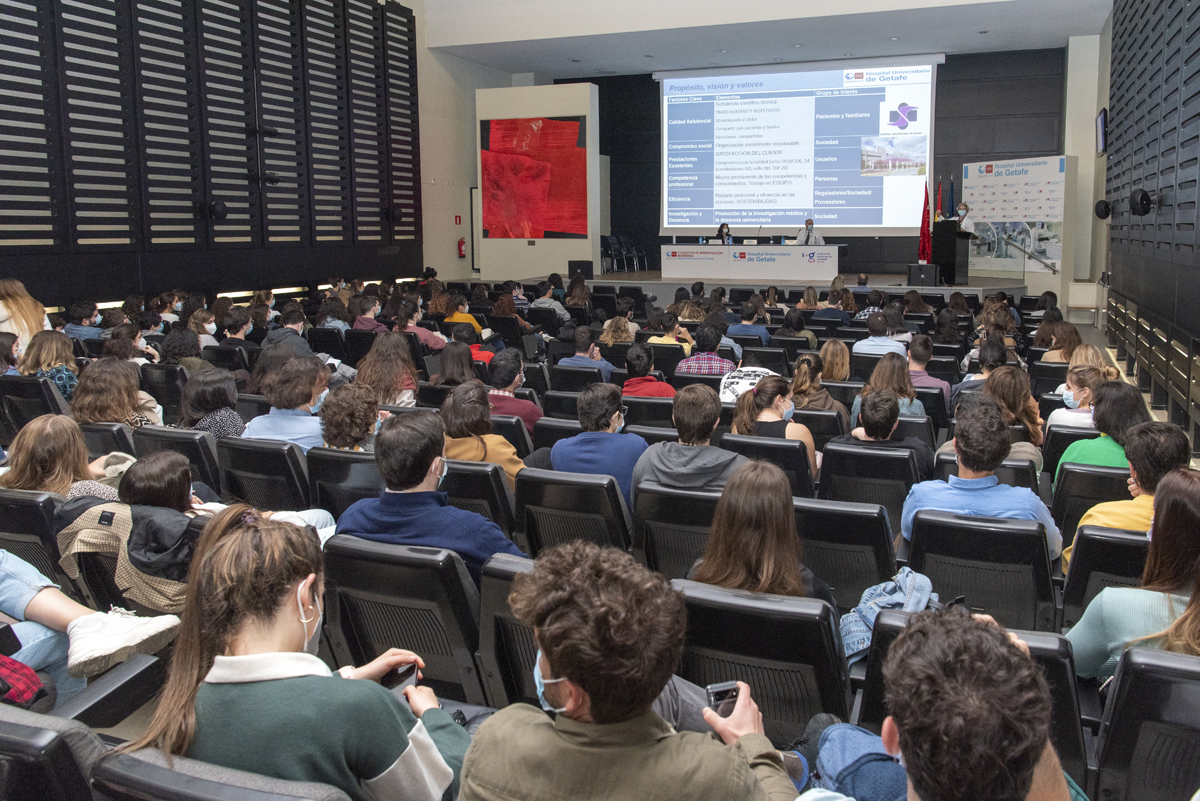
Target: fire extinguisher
[462,247]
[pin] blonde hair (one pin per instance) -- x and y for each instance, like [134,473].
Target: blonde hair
[617,329]
[836,358]
[48,455]
[48,349]
[1087,356]
[28,315]
[200,318]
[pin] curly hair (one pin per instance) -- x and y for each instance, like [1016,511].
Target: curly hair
[348,416]
[107,392]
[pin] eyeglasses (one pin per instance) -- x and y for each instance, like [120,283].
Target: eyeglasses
[624,411]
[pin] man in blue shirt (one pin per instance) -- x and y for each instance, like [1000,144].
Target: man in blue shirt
[879,343]
[586,353]
[81,322]
[981,442]
[834,310]
[601,449]
[411,511]
[747,328]
[295,392]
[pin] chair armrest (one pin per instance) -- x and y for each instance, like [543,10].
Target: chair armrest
[117,694]
[858,673]
[1087,691]
[856,709]
[902,551]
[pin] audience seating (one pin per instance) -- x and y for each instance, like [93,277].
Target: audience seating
[653,434]
[574,379]
[667,357]
[792,346]
[921,428]
[557,350]
[681,380]
[513,429]
[251,406]
[555,508]
[143,775]
[328,341]
[1000,566]
[867,474]
[1150,734]
[1082,486]
[537,378]
[27,531]
[549,430]
[789,455]
[200,448]
[337,479]
[1101,557]
[231,359]
[823,424]
[507,649]
[265,473]
[165,382]
[105,438]
[934,401]
[862,365]
[358,345]
[380,595]
[846,545]
[430,396]
[1046,376]
[945,368]
[649,411]
[561,405]
[1048,402]
[546,319]
[482,488]
[615,353]
[1013,472]
[620,375]
[25,398]
[787,649]
[1057,441]
[774,359]
[671,527]
[843,392]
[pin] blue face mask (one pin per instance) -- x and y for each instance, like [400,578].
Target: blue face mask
[316,407]
[378,425]
[445,470]
[178,306]
[541,685]
[1069,399]
[791,410]
[250,330]
[272,303]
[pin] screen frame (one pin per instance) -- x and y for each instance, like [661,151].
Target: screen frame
[1102,132]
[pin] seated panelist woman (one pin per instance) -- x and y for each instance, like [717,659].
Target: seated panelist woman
[723,236]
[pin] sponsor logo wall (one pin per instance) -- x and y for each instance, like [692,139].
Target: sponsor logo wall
[1017,207]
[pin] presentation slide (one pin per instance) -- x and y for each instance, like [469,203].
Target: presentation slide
[848,148]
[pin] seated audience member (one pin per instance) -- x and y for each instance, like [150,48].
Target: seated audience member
[807,392]
[587,354]
[110,318]
[204,324]
[1043,335]
[49,455]
[639,363]
[747,327]
[672,333]
[874,305]
[1047,300]
[835,360]
[601,449]
[898,328]
[295,391]
[915,304]
[833,311]
[610,636]
[1154,449]
[717,320]
[810,301]
[51,355]
[21,314]
[878,343]
[368,311]
[182,347]
[620,328]
[545,300]
[288,334]
[920,351]
[479,296]
[1009,387]
[891,375]
[981,443]
[518,294]
[410,452]
[1164,612]
[691,463]
[793,326]
[716,300]
[126,343]
[766,411]
[350,417]
[332,314]
[81,321]
[389,371]
[506,373]
[193,303]
[1084,355]
[209,404]
[1118,407]
[457,366]
[108,393]
[698,291]
[461,314]
[946,330]
[704,359]
[466,413]
[151,324]
[410,315]
[879,419]
[272,358]
[237,325]
[1065,340]
[992,356]
[752,544]
[242,674]
[466,334]
[1080,396]
[10,353]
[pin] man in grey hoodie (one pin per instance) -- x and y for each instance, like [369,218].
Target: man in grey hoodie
[690,463]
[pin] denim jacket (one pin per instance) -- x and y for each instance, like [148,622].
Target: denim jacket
[907,590]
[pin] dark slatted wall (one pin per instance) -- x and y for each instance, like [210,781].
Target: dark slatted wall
[212,144]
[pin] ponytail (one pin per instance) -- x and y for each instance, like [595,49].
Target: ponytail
[806,379]
[753,401]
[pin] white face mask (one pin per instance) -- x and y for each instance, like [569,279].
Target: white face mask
[311,641]
[211,328]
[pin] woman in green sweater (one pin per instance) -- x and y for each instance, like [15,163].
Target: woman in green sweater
[244,692]
[1165,611]
[1117,407]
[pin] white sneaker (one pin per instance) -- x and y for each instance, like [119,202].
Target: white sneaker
[101,640]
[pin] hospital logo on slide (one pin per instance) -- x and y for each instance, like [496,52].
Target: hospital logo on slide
[740,256]
[855,76]
[903,116]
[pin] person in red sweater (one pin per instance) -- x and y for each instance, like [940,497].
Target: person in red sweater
[639,361]
[366,321]
[466,334]
[506,374]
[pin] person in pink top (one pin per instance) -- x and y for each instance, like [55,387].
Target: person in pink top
[411,315]
[920,351]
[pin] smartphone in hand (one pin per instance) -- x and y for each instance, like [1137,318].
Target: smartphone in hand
[401,677]
[722,697]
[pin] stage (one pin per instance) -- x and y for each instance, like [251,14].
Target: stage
[652,283]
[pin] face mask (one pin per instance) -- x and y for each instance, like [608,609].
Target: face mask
[211,328]
[250,329]
[442,475]
[962,212]
[807,227]
[1069,399]
[311,641]
[178,305]
[791,410]
[316,407]
[541,685]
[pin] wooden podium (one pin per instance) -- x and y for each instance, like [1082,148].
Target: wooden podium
[950,251]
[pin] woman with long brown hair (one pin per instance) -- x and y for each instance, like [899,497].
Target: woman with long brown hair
[50,455]
[1043,335]
[1010,387]
[891,375]
[20,314]
[752,544]
[766,411]
[108,393]
[388,369]
[957,303]
[50,355]
[578,293]
[244,672]
[915,304]
[466,413]
[807,391]
[457,367]
[1066,340]
[810,300]
[505,306]
[441,303]
[1164,612]
[946,331]
[835,357]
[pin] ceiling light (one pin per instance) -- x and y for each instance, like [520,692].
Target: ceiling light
[798,45]
[779,59]
[724,51]
[893,38]
[845,55]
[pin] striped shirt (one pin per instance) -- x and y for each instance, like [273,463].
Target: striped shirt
[705,364]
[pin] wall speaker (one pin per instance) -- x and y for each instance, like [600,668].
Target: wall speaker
[1103,209]
[1140,202]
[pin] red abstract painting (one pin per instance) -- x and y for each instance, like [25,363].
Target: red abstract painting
[534,178]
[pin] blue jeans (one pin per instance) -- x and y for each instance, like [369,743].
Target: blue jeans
[42,648]
[852,762]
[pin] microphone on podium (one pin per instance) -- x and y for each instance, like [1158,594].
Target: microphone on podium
[758,234]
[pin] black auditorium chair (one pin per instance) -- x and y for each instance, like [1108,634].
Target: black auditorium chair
[1046,376]
[1057,440]
[549,430]
[792,346]
[482,488]
[337,478]
[513,429]
[671,526]
[934,401]
[546,319]
[866,474]
[1101,557]
[681,380]
[165,383]
[789,455]
[554,508]
[1013,472]
[863,364]
[574,379]
[649,411]
[1150,733]
[774,359]
[265,473]
[653,434]
[27,530]
[847,545]
[26,397]
[945,368]
[104,438]
[230,359]
[1082,486]
[823,424]
[251,406]
[507,648]
[358,345]
[431,396]
[325,340]
[844,392]
[1000,566]
[537,378]
[146,774]
[379,594]
[666,358]
[557,350]
[787,649]
[917,427]
[561,405]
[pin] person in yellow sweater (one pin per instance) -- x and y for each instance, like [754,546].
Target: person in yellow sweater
[466,413]
[462,315]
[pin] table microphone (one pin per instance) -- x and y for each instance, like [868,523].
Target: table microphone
[756,236]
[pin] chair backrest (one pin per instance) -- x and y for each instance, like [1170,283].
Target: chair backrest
[792,346]
[823,424]
[43,758]
[251,406]
[789,455]
[863,364]
[786,649]
[1057,441]
[557,350]
[671,526]
[1082,486]
[605,302]
[918,427]
[844,392]
[482,488]
[200,448]
[381,595]
[667,357]
[549,430]
[1101,557]
[165,382]
[1150,734]
[867,474]
[681,380]
[561,405]
[1001,566]
[945,368]
[27,531]
[847,545]
[649,411]
[265,473]
[337,479]
[330,341]
[574,379]
[230,359]
[1048,402]
[934,401]
[513,429]
[431,396]
[653,434]
[537,377]
[1013,472]
[546,318]
[1046,376]
[774,359]
[555,508]
[507,648]
[105,438]
[27,397]
[358,345]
